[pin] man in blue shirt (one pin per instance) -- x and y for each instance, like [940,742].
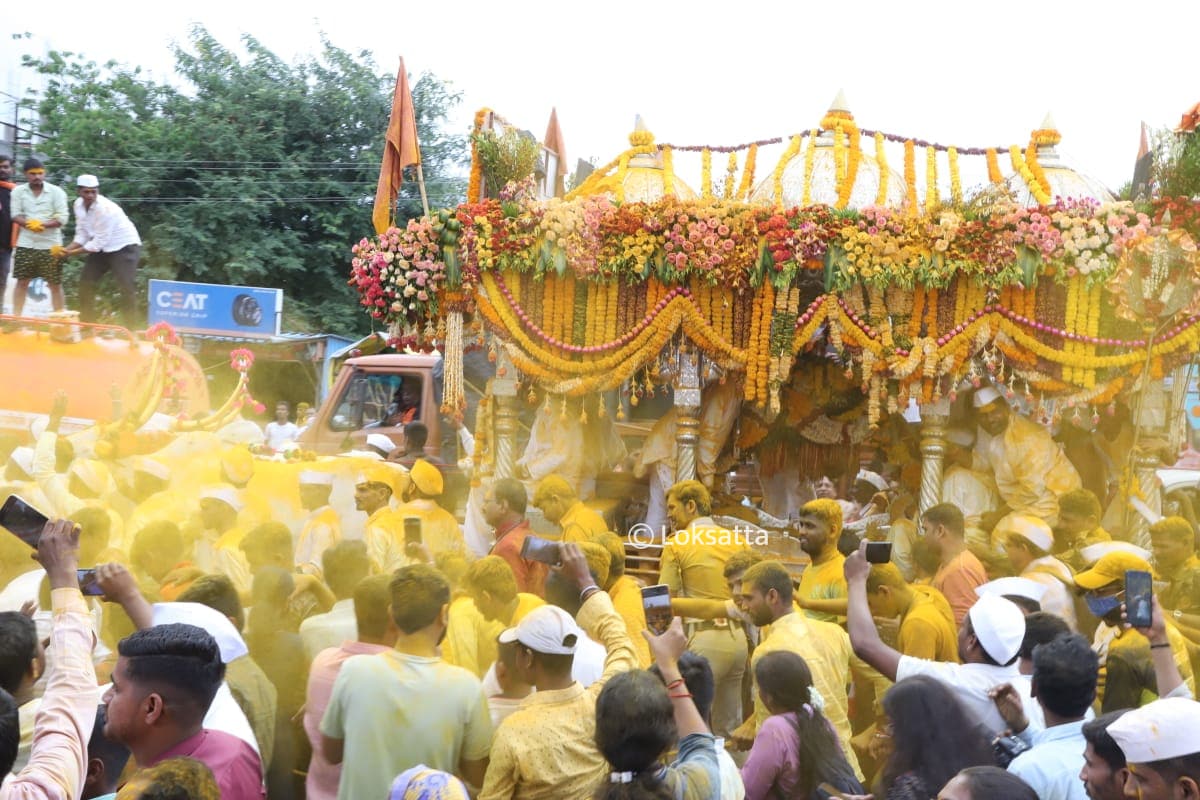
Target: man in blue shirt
[1065,671]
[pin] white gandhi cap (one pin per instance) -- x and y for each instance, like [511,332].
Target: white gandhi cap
[1163,729]
[311,477]
[984,396]
[1031,529]
[1013,587]
[87,182]
[999,626]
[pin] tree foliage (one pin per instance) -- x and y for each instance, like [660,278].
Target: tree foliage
[247,170]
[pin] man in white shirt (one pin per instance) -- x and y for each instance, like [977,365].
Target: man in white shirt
[39,210]
[111,242]
[345,564]
[280,431]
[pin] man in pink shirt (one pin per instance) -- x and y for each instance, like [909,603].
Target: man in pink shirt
[58,758]
[376,634]
[960,571]
[163,683]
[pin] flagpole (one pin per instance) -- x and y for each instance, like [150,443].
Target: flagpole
[421,186]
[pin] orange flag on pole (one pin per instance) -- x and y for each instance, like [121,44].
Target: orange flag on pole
[554,141]
[400,150]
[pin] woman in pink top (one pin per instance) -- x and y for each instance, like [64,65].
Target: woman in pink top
[796,749]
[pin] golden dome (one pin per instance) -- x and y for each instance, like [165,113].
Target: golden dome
[645,177]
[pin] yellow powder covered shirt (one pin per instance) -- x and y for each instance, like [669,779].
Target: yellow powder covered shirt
[928,630]
[385,540]
[470,640]
[825,647]
[824,582]
[439,528]
[582,524]
[546,750]
[627,600]
[322,529]
[693,560]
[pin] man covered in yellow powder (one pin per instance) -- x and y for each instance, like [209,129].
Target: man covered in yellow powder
[626,595]
[219,547]
[150,496]
[439,529]
[491,604]
[822,591]
[561,506]
[384,531]
[322,528]
[1029,467]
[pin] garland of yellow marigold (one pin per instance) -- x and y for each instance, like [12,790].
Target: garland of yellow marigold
[881,160]
[932,197]
[853,156]
[1070,373]
[809,154]
[475,184]
[1035,168]
[730,176]
[750,388]
[747,183]
[762,350]
[955,179]
[1027,175]
[839,158]
[910,175]
[993,167]
[668,159]
[793,149]
[706,188]
[622,171]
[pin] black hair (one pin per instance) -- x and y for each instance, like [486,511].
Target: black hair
[1041,627]
[345,565]
[32,163]
[511,492]
[1065,671]
[179,778]
[993,783]
[948,515]
[112,754]
[562,591]
[160,539]
[1026,604]
[635,724]
[1172,769]
[219,593]
[935,752]
[10,733]
[415,435]
[767,575]
[18,647]
[6,157]
[786,678]
[418,594]
[183,659]
[1095,733]
[372,596]
[272,538]
[697,676]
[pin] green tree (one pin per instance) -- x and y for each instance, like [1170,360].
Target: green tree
[253,170]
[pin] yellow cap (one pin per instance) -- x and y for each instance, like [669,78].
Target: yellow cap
[238,464]
[1111,568]
[426,477]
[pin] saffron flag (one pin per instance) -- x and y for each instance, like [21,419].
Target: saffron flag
[1140,186]
[400,150]
[554,142]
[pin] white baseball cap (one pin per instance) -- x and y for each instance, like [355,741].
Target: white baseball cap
[1164,729]
[87,182]
[984,396]
[999,626]
[1029,528]
[155,469]
[547,629]
[1094,552]
[1019,587]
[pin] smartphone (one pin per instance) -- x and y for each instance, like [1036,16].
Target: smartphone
[656,600]
[535,548]
[879,552]
[1139,595]
[22,520]
[88,585]
[412,530]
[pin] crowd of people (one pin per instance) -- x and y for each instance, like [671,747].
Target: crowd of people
[36,212]
[243,638]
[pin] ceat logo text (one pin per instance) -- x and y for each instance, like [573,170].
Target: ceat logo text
[183,301]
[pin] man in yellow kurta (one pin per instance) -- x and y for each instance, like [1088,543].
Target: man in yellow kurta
[384,531]
[439,529]
[219,546]
[1029,467]
[693,565]
[825,647]
[561,506]
[322,528]
[492,603]
[626,596]
[822,591]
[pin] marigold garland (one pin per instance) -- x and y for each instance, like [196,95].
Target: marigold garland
[1022,168]
[668,160]
[1035,168]
[747,182]
[809,156]
[706,185]
[910,176]
[730,177]
[932,198]
[853,156]
[993,167]
[475,184]
[956,195]
[881,160]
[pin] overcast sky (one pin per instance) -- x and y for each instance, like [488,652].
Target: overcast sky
[962,73]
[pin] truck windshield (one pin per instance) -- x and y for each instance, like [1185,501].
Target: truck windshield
[378,400]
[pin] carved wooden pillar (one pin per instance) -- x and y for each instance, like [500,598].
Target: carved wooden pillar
[687,410]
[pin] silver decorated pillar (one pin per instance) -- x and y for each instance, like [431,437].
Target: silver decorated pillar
[934,417]
[687,409]
[504,390]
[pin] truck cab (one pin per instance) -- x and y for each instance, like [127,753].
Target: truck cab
[378,394]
